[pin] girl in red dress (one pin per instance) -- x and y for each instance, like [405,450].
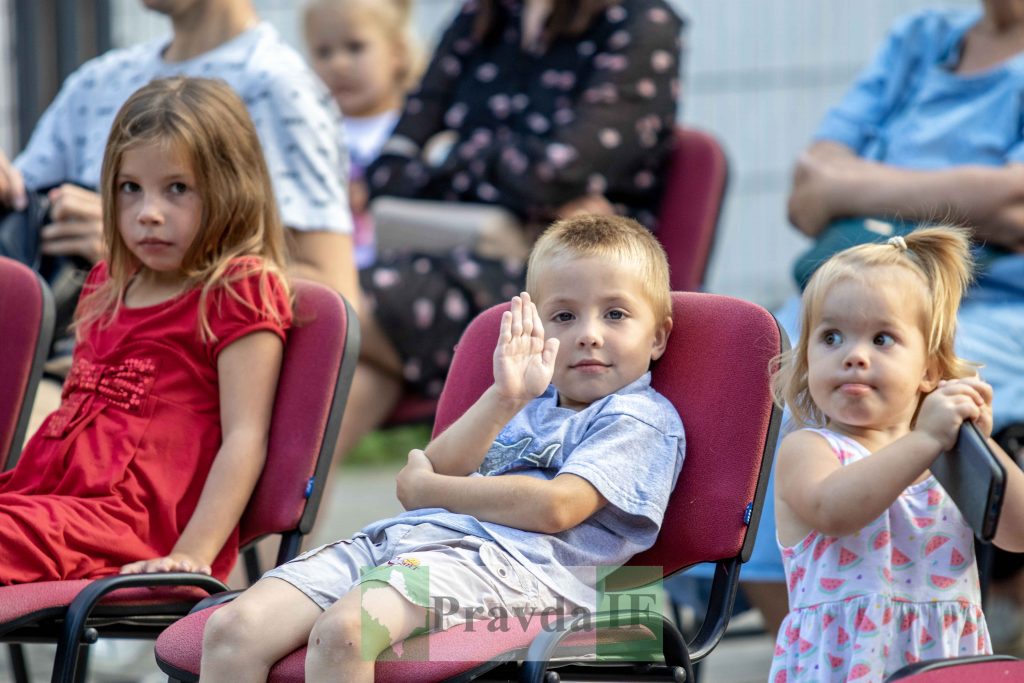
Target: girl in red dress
[161,433]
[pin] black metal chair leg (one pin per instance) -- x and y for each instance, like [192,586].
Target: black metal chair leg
[19,666]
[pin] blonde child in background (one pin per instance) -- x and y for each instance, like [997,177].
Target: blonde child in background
[161,433]
[879,562]
[364,51]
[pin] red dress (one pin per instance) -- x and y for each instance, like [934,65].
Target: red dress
[114,474]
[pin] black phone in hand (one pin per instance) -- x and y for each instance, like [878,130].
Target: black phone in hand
[975,479]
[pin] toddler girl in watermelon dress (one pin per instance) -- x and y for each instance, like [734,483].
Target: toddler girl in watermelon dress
[879,562]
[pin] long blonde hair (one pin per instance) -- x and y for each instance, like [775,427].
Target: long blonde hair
[208,123]
[939,257]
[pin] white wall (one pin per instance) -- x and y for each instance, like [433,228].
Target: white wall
[759,74]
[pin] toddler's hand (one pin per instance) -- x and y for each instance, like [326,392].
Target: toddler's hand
[408,483]
[945,409]
[983,400]
[175,562]
[524,361]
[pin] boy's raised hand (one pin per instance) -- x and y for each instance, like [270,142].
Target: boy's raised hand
[524,361]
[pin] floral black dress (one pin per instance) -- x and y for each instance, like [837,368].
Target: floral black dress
[534,130]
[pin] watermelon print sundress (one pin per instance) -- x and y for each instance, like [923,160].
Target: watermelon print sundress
[902,589]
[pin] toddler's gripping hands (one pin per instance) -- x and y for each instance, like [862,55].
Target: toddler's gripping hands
[954,401]
[524,361]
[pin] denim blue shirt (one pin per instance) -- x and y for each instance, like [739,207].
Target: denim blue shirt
[909,109]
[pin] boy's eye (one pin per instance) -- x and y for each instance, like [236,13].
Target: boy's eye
[562,317]
[355,46]
[883,339]
[617,315]
[128,186]
[178,188]
[832,338]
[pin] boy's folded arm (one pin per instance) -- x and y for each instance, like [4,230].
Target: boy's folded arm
[248,371]
[460,448]
[529,503]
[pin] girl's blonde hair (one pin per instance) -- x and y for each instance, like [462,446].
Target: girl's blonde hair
[939,257]
[395,16]
[206,122]
[608,237]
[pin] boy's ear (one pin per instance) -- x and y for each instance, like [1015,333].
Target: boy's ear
[661,333]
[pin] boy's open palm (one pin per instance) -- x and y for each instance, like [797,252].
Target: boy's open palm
[524,361]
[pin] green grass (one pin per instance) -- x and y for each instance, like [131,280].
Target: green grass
[388,446]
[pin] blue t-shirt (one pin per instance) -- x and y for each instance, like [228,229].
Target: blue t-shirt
[297,121]
[909,109]
[628,445]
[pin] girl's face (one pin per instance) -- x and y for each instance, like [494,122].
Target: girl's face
[867,361]
[356,58]
[159,208]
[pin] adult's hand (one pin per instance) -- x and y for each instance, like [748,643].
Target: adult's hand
[12,185]
[820,174]
[77,227]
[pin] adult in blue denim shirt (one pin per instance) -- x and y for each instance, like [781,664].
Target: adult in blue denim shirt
[931,131]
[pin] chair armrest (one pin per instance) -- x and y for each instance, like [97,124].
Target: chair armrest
[74,633]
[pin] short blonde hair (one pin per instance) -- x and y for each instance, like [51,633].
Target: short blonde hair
[610,237]
[938,257]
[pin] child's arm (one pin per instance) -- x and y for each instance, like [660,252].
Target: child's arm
[247,371]
[816,492]
[528,503]
[523,365]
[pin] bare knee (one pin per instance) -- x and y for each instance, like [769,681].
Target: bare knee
[338,635]
[232,632]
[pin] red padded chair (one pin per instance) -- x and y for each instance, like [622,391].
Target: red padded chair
[695,184]
[319,360]
[983,669]
[26,310]
[715,371]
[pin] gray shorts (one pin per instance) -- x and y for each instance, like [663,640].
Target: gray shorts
[455,577]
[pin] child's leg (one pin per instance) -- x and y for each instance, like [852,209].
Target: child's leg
[347,638]
[245,638]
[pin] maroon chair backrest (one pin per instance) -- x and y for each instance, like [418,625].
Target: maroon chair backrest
[715,372]
[26,313]
[695,183]
[319,359]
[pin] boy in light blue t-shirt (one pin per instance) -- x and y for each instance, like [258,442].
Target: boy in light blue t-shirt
[565,463]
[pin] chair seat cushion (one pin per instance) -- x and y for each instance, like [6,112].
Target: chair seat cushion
[435,657]
[30,603]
